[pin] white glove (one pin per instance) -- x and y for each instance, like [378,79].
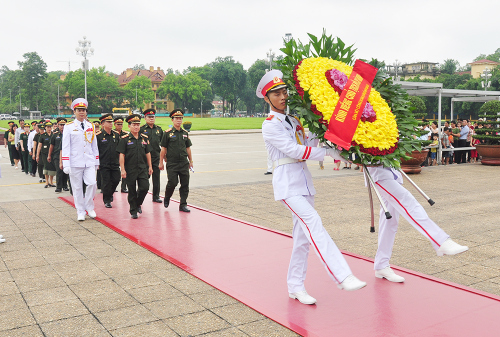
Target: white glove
[335,154]
[96,167]
[67,170]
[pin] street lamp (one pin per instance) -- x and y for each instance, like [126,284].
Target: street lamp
[396,65]
[270,55]
[486,76]
[85,50]
[288,37]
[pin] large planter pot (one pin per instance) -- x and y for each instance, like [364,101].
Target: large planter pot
[490,154]
[187,127]
[412,165]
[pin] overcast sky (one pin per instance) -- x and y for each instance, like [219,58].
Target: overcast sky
[178,34]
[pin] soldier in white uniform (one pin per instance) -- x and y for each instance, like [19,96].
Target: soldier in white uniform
[289,148]
[398,200]
[80,158]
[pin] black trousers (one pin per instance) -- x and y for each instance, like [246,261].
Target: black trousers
[110,178]
[34,166]
[138,187]
[98,179]
[11,148]
[124,184]
[462,154]
[22,158]
[61,177]
[40,167]
[457,154]
[174,174]
[156,177]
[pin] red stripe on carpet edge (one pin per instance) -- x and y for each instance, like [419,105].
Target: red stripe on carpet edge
[361,257]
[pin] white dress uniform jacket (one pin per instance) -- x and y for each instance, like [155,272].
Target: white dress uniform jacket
[289,141]
[76,149]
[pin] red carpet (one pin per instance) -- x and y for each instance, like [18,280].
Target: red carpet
[250,263]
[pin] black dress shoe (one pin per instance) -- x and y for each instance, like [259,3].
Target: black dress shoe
[184,209]
[108,205]
[57,190]
[268,173]
[112,199]
[46,186]
[166,201]
[65,189]
[139,210]
[134,216]
[125,191]
[158,200]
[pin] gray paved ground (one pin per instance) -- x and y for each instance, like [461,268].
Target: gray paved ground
[60,277]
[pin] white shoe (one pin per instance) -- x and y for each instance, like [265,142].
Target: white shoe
[2,240]
[81,217]
[1,236]
[303,297]
[351,283]
[92,214]
[389,275]
[450,247]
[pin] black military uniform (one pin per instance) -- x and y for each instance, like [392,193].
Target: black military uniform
[9,147]
[154,134]
[135,152]
[48,166]
[109,165]
[34,164]
[175,143]
[119,121]
[55,144]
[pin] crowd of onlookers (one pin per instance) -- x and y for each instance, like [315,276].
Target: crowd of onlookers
[454,135]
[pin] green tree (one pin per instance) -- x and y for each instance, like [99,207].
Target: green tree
[103,90]
[449,66]
[48,94]
[33,73]
[145,93]
[139,67]
[228,80]
[186,91]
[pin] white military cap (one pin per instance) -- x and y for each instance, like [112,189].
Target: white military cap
[272,80]
[79,103]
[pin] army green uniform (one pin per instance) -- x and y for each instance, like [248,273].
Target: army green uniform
[48,167]
[124,180]
[23,137]
[109,165]
[176,142]
[136,166]
[154,135]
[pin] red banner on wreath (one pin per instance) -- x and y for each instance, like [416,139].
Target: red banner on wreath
[347,113]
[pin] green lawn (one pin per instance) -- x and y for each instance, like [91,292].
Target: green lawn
[200,123]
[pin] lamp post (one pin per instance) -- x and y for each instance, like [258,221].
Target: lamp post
[396,65]
[486,76]
[85,50]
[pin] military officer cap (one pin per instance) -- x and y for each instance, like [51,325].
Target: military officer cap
[49,123]
[79,103]
[177,113]
[133,119]
[61,120]
[272,80]
[96,123]
[106,118]
[33,123]
[41,126]
[10,123]
[149,112]
[118,119]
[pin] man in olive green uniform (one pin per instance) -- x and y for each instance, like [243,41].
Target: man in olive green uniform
[42,155]
[154,133]
[118,121]
[109,164]
[135,164]
[55,155]
[176,145]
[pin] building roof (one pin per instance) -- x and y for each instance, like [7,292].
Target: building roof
[484,61]
[155,75]
[462,72]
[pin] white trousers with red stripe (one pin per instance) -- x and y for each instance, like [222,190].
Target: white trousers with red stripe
[78,176]
[308,230]
[399,201]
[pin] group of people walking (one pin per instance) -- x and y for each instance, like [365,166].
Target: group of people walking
[81,153]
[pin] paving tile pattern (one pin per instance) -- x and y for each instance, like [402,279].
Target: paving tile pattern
[60,277]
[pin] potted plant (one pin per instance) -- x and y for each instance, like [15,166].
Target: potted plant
[489,149]
[412,165]
[187,126]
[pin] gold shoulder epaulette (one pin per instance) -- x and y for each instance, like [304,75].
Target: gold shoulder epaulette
[125,136]
[116,131]
[168,130]
[98,132]
[144,135]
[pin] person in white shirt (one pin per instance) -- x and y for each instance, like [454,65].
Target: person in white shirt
[20,130]
[80,158]
[32,163]
[289,148]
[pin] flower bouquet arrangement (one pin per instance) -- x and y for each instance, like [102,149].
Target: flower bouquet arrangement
[354,108]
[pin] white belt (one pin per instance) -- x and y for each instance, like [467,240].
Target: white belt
[286,160]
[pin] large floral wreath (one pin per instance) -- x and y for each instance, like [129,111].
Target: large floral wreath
[317,73]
